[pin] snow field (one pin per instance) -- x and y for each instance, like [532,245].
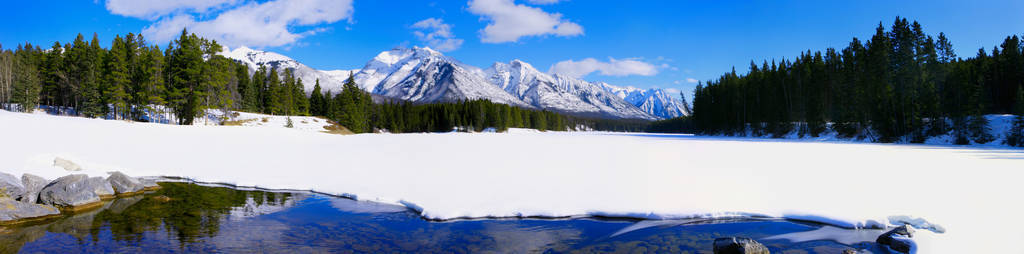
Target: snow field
[973,193]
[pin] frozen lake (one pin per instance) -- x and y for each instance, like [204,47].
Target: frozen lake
[972,194]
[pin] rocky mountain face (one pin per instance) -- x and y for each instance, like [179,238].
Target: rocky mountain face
[423,75]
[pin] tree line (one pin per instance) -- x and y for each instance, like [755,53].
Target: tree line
[124,81]
[902,85]
[132,80]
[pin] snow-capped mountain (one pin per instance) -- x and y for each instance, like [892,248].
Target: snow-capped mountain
[663,103]
[424,75]
[420,74]
[559,93]
[329,80]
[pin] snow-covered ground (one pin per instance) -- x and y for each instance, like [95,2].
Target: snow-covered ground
[972,193]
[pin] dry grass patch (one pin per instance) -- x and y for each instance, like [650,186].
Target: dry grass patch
[335,128]
[239,122]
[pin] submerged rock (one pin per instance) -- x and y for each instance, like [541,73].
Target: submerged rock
[13,211]
[10,186]
[66,164]
[738,245]
[125,184]
[69,191]
[898,239]
[33,184]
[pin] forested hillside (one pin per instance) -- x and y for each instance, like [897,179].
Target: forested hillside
[132,80]
[901,85]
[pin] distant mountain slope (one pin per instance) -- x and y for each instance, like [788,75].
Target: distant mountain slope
[663,103]
[329,80]
[424,75]
[420,74]
[559,93]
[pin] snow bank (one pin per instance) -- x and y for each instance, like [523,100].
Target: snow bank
[999,126]
[972,193]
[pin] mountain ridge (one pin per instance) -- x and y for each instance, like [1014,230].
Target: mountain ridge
[423,75]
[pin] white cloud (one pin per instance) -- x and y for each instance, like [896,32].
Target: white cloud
[439,35]
[255,24]
[613,67]
[692,80]
[152,9]
[543,1]
[510,21]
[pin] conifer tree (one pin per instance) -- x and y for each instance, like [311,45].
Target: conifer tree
[185,69]
[354,107]
[316,100]
[275,95]
[1015,136]
[115,79]
[27,84]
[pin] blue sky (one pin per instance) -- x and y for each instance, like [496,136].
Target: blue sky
[665,44]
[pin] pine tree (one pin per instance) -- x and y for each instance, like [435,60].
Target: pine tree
[300,99]
[354,107]
[316,100]
[246,89]
[185,69]
[115,79]
[1015,136]
[275,95]
[27,84]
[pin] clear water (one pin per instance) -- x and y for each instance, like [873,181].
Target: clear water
[190,218]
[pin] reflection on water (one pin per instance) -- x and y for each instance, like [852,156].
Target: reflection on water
[183,217]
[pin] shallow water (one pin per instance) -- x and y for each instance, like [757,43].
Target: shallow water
[184,217]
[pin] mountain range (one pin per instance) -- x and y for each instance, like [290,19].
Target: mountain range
[423,75]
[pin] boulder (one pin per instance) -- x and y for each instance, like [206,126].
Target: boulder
[898,239]
[10,186]
[738,245]
[149,184]
[101,187]
[69,191]
[13,211]
[66,164]
[125,184]
[33,184]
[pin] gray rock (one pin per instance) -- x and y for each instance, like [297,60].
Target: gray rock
[69,191]
[125,184]
[898,239]
[33,184]
[66,164]
[149,183]
[100,186]
[12,210]
[10,186]
[738,245]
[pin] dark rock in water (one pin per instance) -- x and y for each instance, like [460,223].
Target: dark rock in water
[849,251]
[125,184]
[13,211]
[898,239]
[739,245]
[10,186]
[33,184]
[69,191]
[101,187]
